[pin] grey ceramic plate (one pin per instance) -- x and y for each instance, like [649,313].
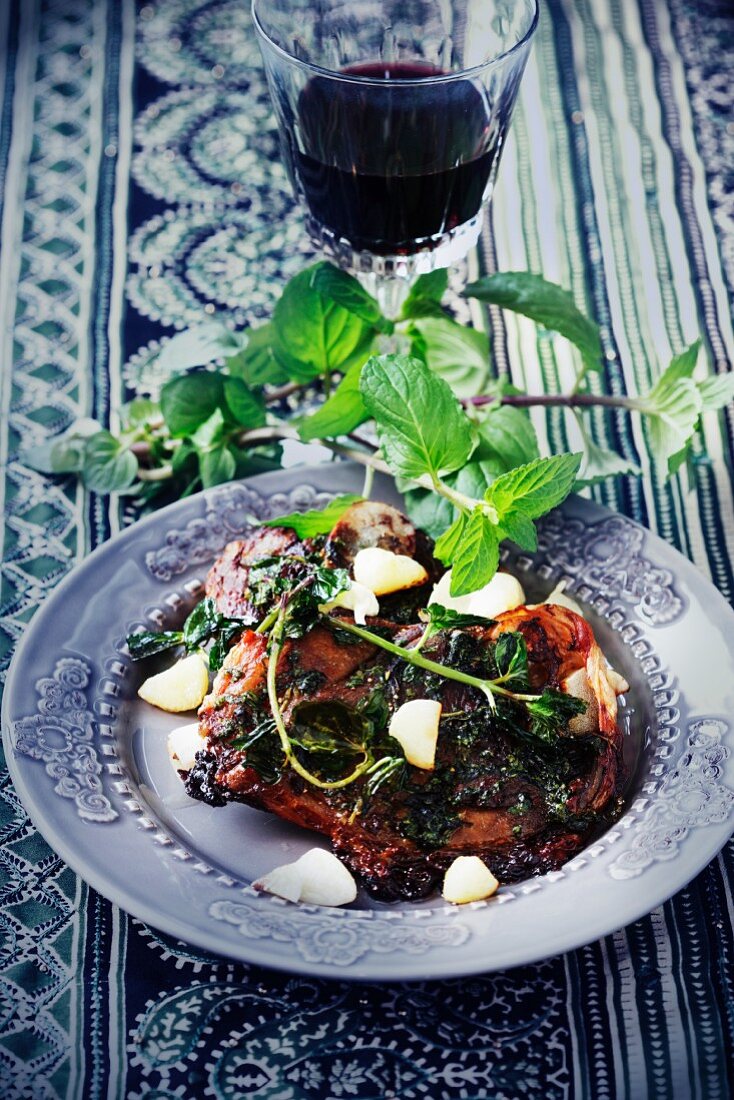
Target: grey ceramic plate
[90,763]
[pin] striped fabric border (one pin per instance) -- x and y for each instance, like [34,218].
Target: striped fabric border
[59,110]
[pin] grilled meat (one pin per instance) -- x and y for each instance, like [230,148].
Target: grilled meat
[228,582]
[497,790]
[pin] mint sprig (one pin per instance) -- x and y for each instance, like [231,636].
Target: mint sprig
[230,397]
[425,435]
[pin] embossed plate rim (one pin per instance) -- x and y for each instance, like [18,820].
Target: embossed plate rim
[412,943]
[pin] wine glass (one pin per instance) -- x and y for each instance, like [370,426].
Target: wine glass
[392,117]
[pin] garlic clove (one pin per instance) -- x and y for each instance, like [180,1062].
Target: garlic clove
[468,879]
[317,878]
[441,594]
[382,571]
[357,598]
[415,726]
[503,593]
[325,879]
[183,745]
[285,882]
[179,688]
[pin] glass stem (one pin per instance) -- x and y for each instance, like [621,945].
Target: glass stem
[390,292]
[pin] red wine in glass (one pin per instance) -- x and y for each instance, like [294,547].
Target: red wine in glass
[393,116]
[395,160]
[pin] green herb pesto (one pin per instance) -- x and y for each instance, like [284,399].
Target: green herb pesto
[484,756]
[308,683]
[429,823]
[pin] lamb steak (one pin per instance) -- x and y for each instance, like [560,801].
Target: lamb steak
[524,805]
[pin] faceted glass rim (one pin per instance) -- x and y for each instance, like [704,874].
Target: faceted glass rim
[356,78]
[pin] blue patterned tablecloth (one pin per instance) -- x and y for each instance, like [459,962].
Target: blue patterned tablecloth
[140,191]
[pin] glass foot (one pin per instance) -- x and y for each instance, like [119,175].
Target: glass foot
[430,254]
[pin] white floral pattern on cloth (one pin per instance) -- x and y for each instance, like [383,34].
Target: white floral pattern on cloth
[609,557]
[186,263]
[170,1031]
[190,42]
[333,938]
[691,796]
[211,145]
[61,735]
[231,512]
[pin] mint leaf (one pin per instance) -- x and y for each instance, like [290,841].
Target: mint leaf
[189,400]
[716,392]
[327,584]
[210,433]
[303,608]
[206,621]
[476,476]
[146,643]
[341,413]
[244,407]
[551,713]
[63,453]
[421,426]
[429,511]
[316,522]
[520,529]
[313,335]
[216,462]
[108,465]
[346,291]
[445,618]
[507,435]
[139,412]
[201,623]
[511,658]
[457,353]
[257,460]
[546,303]
[599,464]
[198,346]
[681,366]
[216,466]
[673,407]
[447,544]
[391,771]
[476,556]
[534,488]
[255,363]
[673,418]
[425,295]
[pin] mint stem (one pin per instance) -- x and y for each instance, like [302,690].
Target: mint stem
[275,432]
[562,400]
[412,657]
